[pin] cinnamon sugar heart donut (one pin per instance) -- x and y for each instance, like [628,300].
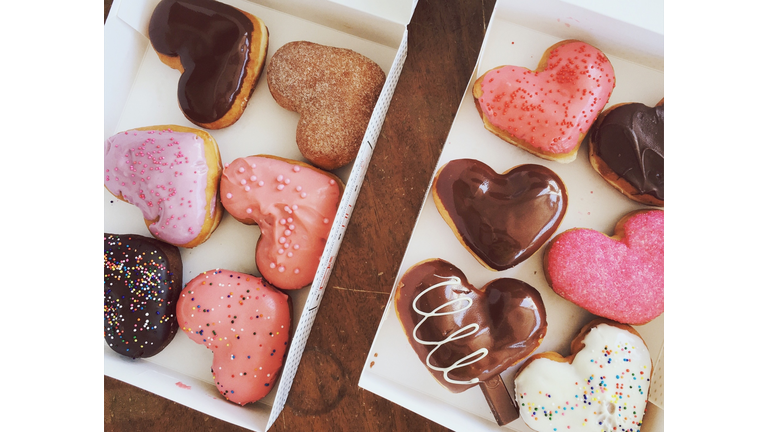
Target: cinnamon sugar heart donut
[619,277]
[626,147]
[602,386]
[245,322]
[219,50]
[334,90]
[466,335]
[171,173]
[293,204]
[142,282]
[502,219]
[547,111]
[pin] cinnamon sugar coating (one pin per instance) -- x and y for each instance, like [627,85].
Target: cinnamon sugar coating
[334,90]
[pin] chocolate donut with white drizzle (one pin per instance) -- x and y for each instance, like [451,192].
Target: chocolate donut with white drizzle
[468,336]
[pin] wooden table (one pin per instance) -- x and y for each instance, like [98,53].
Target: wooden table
[444,39]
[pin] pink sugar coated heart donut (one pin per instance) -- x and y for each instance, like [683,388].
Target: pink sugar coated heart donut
[245,322]
[293,204]
[619,277]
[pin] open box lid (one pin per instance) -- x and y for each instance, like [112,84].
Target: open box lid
[140,91]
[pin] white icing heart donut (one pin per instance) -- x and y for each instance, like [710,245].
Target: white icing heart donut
[602,386]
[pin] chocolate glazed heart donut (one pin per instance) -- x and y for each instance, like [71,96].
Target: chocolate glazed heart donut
[220,51]
[468,336]
[501,219]
[626,147]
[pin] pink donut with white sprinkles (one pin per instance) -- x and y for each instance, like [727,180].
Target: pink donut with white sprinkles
[293,204]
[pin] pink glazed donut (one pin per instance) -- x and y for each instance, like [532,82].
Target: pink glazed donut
[547,111]
[171,173]
[245,322]
[293,204]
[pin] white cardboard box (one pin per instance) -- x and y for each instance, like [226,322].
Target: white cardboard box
[141,91]
[631,35]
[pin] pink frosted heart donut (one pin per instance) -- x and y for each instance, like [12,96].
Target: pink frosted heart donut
[619,277]
[549,110]
[245,322]
[293,204]
[171,173]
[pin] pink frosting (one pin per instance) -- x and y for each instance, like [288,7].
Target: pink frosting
[163,173]
[622,279]
[245,322]
[293,205]
[551,108]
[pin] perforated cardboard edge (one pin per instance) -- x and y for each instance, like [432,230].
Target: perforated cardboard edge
[338,229]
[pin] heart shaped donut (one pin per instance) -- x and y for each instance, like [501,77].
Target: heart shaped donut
[547,111]
[626,147]
[620,277]
[602,386]
[293,204]
[172,174]
[467,336]
[501,219]
[245,322]
[219,50]
[334,90]
[142,282]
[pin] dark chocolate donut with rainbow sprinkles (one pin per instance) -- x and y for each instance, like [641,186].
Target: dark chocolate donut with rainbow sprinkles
[142,282]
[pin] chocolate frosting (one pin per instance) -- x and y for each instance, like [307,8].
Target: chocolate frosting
[212,40]
[502,219]
[142,282]
[630,140]
[509,314]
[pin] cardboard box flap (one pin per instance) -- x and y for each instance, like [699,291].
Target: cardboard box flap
[380,21]
[399,11]
[626,29]
[647,14]
[137,14]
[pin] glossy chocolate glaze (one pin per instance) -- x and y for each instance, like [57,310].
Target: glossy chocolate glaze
[142,282]
[503,219]
[212,40]
[510,314]
[630,140]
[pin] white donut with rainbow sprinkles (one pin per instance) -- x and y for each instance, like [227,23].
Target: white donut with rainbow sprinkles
[601,387]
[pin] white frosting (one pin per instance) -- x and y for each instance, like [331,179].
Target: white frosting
[458,334]
[605,388]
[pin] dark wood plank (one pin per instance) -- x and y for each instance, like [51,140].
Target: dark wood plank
[444,41]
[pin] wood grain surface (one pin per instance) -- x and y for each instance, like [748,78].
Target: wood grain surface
[444,40]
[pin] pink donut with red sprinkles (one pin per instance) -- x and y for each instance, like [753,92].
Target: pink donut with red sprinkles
[547,111]
[619,277]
